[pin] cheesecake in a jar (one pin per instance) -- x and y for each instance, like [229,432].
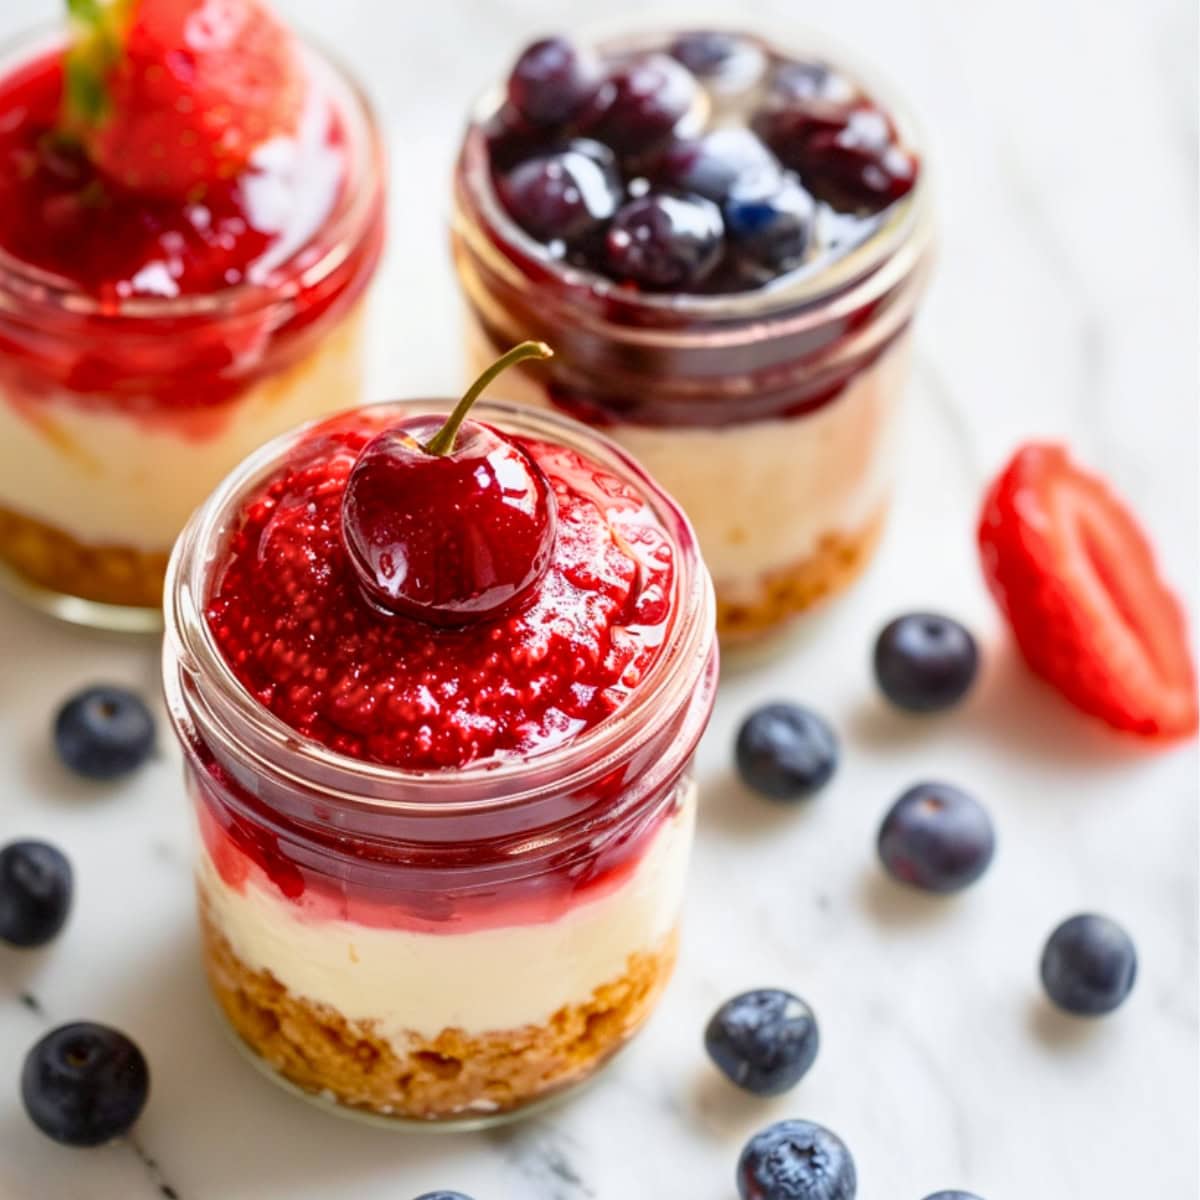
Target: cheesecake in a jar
[191,208]
[438,701]
[727,241]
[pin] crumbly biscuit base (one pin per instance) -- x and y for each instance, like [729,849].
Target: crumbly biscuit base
[447,1077]
[785,593]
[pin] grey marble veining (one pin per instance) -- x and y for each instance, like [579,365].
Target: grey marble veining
[1064,141]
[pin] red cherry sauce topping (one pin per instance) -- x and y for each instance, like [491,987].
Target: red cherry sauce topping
[447,538]
[61,215]
[288,612]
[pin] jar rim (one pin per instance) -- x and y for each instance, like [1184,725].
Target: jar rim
[190,653]
[906,221]
[343,231]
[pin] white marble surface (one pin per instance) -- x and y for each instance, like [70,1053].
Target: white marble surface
[1065,304]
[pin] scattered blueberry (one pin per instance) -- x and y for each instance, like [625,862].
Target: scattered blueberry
[104,732]
[710,165]
[936,838]
[650,96]
[84,1084]
[764,1041]
[769,218]
[723,60]
[35,892]
[1089,965]
[444,1196]
[786,752]
[665,242]
[925,662]
[796,1160]
[952,1195]
[567,196]
[552,81]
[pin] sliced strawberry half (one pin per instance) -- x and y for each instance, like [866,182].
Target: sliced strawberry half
[169,96]
[1077,579]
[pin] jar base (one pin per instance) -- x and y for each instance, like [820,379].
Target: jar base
[454,1080]
[468,1123]
[784,594]
[75,610]
[103,587]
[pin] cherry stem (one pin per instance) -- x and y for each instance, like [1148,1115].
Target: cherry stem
[442,442]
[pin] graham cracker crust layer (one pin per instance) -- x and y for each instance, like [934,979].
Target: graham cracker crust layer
[452,1075]
[51,559]
[785,593]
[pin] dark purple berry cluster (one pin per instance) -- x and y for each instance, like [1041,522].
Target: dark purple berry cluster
[621,166]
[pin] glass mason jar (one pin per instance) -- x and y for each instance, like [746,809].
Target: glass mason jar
[770,415]
[445,947]
[118,416]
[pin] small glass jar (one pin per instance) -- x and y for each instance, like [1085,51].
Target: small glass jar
[770,415]
[450,947]
[118,416]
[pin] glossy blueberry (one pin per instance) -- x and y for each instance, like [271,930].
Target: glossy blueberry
[711,165]
[35,892]
[723,60]
[764,1041]
[785,752]
[953,1195]
[796,1160]
[647,99]
[936,838]
[563,197]
[104,732]
[552,81]
[84,1084]
[794,82]
[665,242]
[769,218]
[925,662]
[1089,965]
[444,1196]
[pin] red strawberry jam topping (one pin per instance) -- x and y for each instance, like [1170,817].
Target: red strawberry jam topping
[289,614]
[61,214]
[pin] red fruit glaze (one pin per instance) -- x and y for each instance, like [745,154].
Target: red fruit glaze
[1077,579]
[60,214]
[198,87]
[289,616]
[447,538]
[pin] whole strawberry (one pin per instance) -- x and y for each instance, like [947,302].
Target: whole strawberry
[1076,577]
[168,96]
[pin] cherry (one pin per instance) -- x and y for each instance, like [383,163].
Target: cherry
[552,81]
[665,242]
[647,99]
[847,156]
[449,525]
[565,196]
[859,166]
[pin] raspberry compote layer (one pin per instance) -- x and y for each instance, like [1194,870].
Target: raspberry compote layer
[512,791]
[148,344]
[749,347]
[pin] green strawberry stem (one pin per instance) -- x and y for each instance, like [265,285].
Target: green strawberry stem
[442,442]
[96,47]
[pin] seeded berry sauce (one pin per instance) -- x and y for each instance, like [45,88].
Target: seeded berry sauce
[290,618]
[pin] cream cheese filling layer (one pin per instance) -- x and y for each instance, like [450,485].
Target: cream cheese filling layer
[764,494]
[404,982]
[108,478]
